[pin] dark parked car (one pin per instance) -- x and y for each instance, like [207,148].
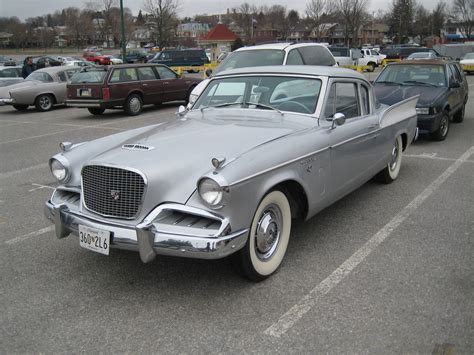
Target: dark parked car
[127,86]
[136,57]
[442,87]
[181,57]
[45,61]
[401,53]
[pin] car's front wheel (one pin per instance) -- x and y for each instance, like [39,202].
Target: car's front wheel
[133,105]
[371,67]
[390,173]
[44,102]
[442,132]
[96,111]
[268,238]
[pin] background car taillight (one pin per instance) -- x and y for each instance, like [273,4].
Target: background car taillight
[105,94]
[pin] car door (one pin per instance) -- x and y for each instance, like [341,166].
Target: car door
[173,87]
[355,151]
[151,85]
[454,98]
[121,82]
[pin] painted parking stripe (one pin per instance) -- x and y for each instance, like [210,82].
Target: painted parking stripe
[296,312]
[30,235]
[9,174]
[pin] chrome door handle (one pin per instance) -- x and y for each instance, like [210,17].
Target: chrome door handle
[145,84]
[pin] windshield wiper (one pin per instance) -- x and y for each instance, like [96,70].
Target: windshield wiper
[418,83]
[222,105]
[259,105]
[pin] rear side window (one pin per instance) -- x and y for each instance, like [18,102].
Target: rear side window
[294,58]
[62,76]
[93,76]
[146,73]
[364,97]
[457,73]
[165,73]
[123,75]
[9,73]
[316,55]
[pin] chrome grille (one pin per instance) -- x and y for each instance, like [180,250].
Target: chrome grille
[111,191]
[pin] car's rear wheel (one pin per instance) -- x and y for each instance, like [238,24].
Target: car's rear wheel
[96,111]
[133,105]
[20,107]
[268,238]
[459,116]
[44,102]
[442,132]
[390,173]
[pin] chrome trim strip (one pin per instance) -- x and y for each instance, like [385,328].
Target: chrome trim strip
[145,181]
[356,137]
[278,166]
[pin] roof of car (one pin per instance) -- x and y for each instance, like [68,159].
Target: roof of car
[57,69]
[424,61]
[315,70]
[277,45]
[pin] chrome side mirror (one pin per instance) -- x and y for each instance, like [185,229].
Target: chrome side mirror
[181,111]
[338,119]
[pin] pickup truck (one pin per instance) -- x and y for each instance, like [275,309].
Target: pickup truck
[346,56]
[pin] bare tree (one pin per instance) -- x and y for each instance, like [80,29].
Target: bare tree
[244,17]
[463,14]
[275,18]
[352,12]
[315,11]
[164,15]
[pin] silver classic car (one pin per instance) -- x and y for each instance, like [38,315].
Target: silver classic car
[43,88]
[259,148]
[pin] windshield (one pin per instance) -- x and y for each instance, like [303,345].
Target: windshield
[339,52]
[413,74]
[469,56]
[40,76]
[93,76]
[251,58]
[281,93]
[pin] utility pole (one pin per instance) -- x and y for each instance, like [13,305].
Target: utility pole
[122,22]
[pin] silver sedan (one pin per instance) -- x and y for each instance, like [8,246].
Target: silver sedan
[260,148]
[43,88]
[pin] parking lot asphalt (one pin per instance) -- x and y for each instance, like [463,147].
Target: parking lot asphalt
[387,269]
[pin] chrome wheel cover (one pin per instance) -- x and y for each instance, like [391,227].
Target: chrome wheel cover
[45,102]
[267,234]
[135,104]
[394,159]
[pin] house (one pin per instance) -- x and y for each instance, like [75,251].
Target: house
[299,33]
[219,40]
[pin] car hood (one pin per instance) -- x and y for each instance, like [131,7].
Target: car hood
[391,94]
[5,90]
[467,61]
[180,152]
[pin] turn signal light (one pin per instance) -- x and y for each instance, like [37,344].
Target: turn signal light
[105,94]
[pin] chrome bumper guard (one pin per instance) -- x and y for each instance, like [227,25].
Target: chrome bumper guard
[6,101]
[145,239]
[83,103]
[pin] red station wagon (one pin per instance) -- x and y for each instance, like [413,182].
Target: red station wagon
[127,86]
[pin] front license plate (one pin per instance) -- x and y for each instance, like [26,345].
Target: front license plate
[97,240]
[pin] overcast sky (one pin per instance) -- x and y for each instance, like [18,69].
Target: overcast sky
[29,8]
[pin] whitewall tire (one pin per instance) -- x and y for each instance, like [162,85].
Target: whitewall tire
[392,170]
[268,238]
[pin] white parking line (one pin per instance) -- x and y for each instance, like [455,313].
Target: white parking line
[30,235]
[22,171]
[296,312]
[40,187]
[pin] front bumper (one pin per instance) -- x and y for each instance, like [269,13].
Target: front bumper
[429,123]
[8,101]
[147,239]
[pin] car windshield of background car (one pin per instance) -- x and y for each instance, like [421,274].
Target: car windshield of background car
[251,58]
[411,74]
[40,76]
[291,94]
[93,76]
[469,56]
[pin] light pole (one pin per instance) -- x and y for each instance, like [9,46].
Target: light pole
[122,22]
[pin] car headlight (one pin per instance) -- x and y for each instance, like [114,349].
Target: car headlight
[423,110]
[59,170]
[210,191]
